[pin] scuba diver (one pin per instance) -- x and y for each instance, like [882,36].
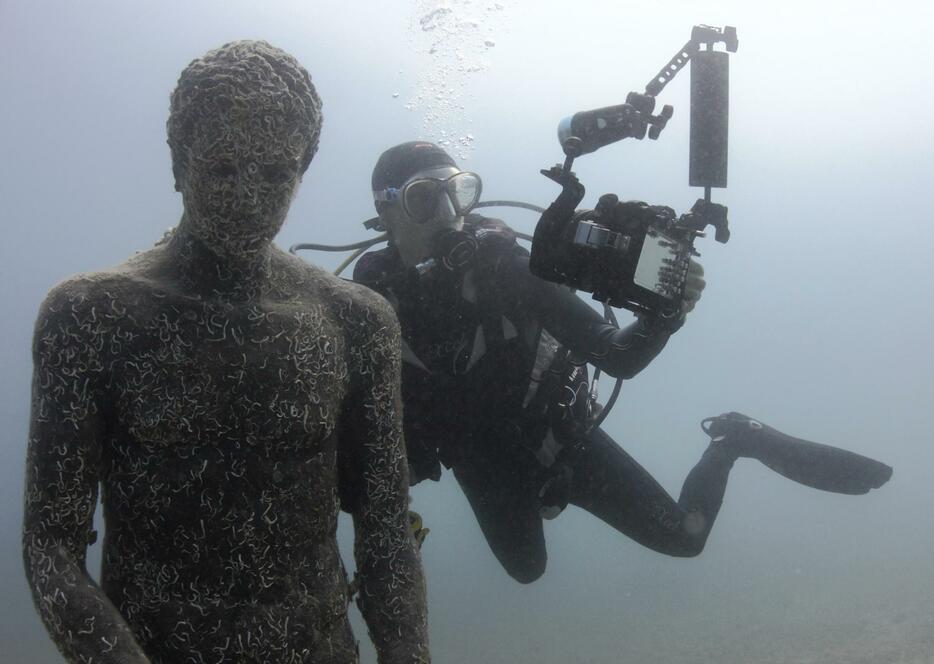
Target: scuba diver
[495,385]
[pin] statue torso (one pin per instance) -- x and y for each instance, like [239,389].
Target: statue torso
[219,464]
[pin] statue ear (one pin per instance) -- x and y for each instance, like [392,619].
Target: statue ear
[179,173]
[180,159]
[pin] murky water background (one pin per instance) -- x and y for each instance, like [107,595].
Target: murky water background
[816,319]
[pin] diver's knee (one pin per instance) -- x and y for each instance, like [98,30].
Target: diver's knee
[687,545]
[525,575]
[694,529]
[526,570]
[692,541]
[691,548]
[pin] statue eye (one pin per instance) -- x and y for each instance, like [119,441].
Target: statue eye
[277,173]
[223,169]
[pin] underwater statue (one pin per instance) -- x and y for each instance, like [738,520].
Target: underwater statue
[229,400]
[495,384]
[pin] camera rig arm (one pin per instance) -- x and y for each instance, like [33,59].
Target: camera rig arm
[634,119]
[552,226]
[700,34]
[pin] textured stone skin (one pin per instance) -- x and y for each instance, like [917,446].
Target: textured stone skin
[228,399]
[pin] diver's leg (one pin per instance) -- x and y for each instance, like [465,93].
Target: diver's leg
[812,464]
[609,484]
[506,506]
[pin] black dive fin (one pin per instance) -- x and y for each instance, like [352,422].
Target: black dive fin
[812,464]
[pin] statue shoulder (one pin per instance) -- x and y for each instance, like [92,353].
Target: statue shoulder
[92,294]
[364,309]
[76,324]
[359,309]
[374,339]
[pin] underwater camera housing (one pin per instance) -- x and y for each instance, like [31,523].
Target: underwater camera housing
[628,254]
[631,254]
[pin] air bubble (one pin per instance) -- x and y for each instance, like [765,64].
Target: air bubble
[455,36]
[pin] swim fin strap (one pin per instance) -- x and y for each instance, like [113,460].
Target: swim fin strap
[812,464]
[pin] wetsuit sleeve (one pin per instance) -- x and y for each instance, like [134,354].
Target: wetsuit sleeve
[62,471]
[392,591]
[621,353]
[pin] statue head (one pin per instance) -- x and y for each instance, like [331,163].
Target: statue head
[243,126]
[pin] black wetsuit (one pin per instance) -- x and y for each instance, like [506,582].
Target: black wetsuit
[479,344]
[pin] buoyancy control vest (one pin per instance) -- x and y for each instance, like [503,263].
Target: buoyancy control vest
[478,367]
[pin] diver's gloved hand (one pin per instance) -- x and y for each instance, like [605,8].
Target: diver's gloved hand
[693,287]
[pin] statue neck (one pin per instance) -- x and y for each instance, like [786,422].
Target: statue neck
[205,271]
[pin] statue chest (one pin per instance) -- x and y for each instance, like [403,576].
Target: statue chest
[198,373]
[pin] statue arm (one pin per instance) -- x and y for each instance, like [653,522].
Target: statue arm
[62,472]
[392,589]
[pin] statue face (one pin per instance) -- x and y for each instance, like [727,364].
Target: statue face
[241,175]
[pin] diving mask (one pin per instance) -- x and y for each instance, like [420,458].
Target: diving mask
[421,196]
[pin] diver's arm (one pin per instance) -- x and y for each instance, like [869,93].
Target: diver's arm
[392,590]
[620,352]
[62,469]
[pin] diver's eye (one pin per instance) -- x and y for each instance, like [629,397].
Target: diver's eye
[421,198]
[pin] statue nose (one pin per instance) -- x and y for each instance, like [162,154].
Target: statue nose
[247,180]
[247,189]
